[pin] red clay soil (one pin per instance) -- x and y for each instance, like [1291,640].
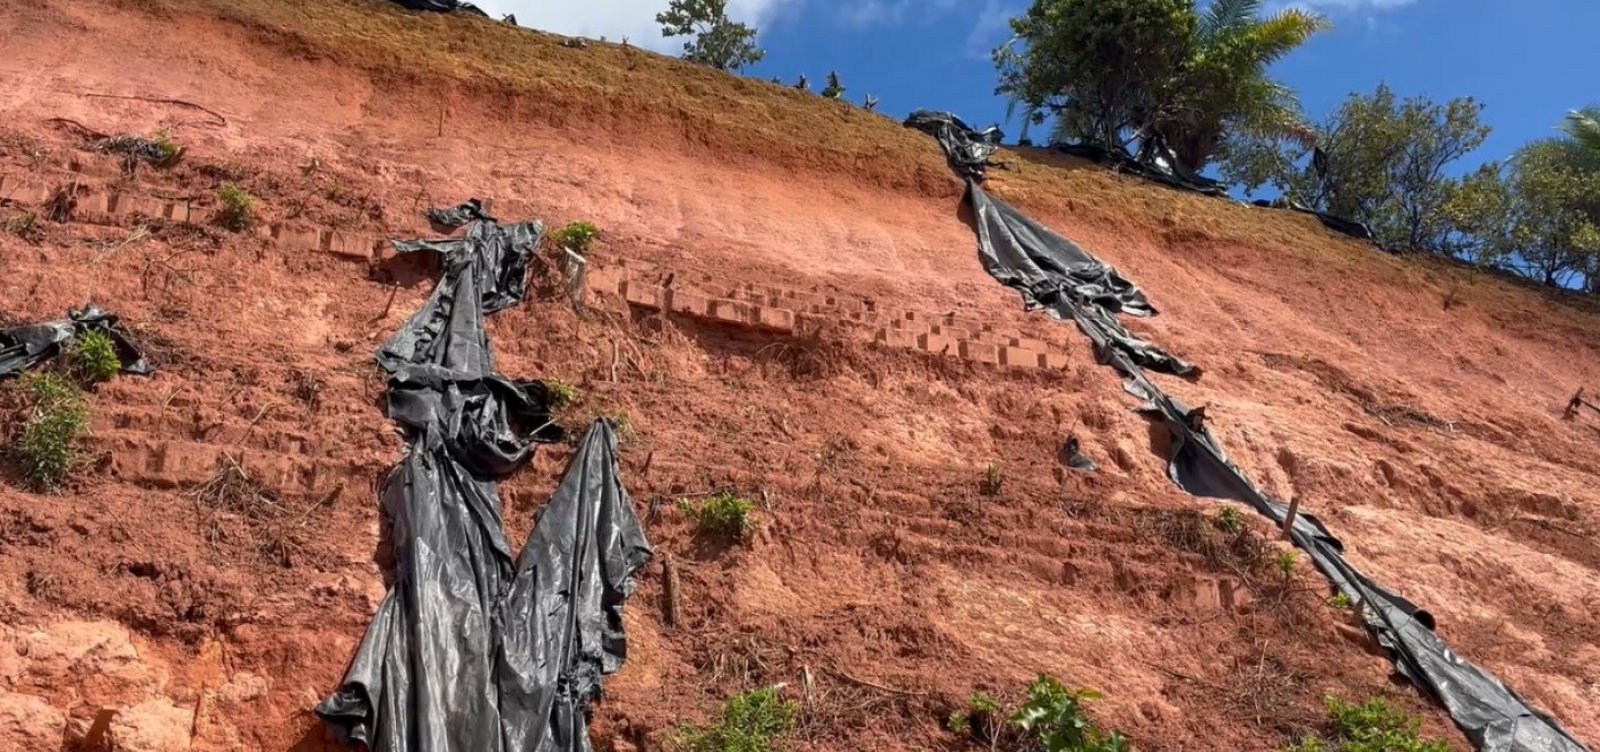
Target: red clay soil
[1414,406]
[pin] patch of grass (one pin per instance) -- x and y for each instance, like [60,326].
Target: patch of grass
[1286,560]
[94,358]
[1374,726]
[754,721]
[238,208]
[575,237]
[1228,518]
[560,393]
[726,514]
[1341,602]
[979,720]
[24,225]
[47,445]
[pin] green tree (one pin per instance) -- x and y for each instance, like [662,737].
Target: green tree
[1378,159]
[834,90]
[1538,215]
[1100,67]
[1584,128]
[1109,70]
[718,41]
[1223,86]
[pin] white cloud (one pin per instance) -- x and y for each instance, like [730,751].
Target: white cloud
[615,20]
[891,12]
[991,28]
[1341,6]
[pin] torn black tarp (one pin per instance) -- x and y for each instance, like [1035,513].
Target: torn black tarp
[442,6]
[968,150]
[25,347]
[1052,273]
[1155,162]
[1340,225]
[1057,275]
[1492,715]
[472,650]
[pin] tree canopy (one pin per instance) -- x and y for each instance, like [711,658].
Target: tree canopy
[1109,71]
[718,41]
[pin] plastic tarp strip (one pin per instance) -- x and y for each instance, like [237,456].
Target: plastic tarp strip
[1051,272]
[25,347]
[473,650]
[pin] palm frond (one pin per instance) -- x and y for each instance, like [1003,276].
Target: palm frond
[1278,35]
[1584,128]
[1226,15]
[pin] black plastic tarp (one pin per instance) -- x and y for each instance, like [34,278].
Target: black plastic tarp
[1057,275]
[1340,225]
[1154,162]
[1047,269]
[25,347]
[441,6]
[967,149]
[473,650]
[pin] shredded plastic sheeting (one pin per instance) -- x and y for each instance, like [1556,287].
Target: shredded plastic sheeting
[968,150]
[473,650]
[442,6]
[1047,270]
[1155,162]
[25,347]
[1340,225]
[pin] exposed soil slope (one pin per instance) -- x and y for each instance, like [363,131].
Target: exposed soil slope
[785,303]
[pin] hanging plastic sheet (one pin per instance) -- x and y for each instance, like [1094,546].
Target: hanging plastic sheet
[1053,273]
[25,347]
[473,650]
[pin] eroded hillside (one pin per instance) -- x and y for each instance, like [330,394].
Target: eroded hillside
[797,318]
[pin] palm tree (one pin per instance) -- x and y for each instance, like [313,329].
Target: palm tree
[1224,87]
[1584,128]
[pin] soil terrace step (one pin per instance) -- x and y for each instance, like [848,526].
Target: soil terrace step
[766,309]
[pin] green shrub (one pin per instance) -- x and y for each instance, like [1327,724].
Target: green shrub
[94,358]
[47,445]
[560,393]
[1228,517]
[1341,601]
[1375,726]
[979,720]
[238,208]
[1286,561]
[1054,719]
[576,237]
[751,721]
[164,144]
[725,514]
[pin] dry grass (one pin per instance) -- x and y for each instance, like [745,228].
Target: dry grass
[235,509]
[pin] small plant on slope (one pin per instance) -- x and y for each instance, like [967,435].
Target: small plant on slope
[1374,726]
[48,443]
[1228,517]
[576,237]
[238,208]
[1341,601]
[560,393]
[753,721]
[834,89]
[1286,561]
[980,720]
[1054,718]
[94,358]
[725,514]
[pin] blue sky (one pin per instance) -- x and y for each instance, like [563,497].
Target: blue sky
[1528,61]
